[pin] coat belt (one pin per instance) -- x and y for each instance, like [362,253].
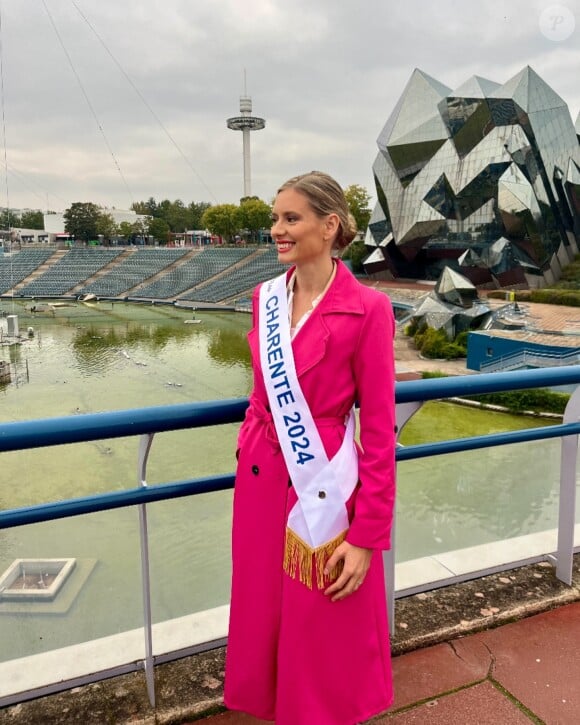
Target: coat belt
[264,417]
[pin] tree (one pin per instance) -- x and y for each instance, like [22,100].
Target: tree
[32,219]
[149,207]
[252,215]
[357,253]
[177,216]
[358,200]
[9,219]
[81,220]
[159,229]
[126,231]
[221,220]
[195,212]
[106,225]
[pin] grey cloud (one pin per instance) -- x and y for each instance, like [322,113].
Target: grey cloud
[325,75]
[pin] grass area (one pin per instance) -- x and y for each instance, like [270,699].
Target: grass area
[438,421]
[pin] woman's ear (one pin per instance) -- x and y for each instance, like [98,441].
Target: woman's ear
[331,226]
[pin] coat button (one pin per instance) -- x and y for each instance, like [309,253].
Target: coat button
[396,429]
[322,494]
[255,470]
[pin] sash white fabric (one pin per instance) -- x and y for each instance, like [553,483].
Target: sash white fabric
[322,486]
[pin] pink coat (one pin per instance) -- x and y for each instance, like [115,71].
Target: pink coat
[293,655]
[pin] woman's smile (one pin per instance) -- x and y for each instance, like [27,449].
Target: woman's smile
[284,245]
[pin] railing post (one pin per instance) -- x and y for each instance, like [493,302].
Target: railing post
[567,513]
[144,448]
[403,413]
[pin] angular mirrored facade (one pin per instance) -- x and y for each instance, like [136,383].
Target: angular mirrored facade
[453,305]
[484,179]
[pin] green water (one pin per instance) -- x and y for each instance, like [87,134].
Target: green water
[114,356]
[466,499]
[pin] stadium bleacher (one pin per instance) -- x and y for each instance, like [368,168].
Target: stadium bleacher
[238,280]
[142,264]
[210,276]
[74,267]
[16,267]
[203,266]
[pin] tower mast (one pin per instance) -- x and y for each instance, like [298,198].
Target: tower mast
[245,123]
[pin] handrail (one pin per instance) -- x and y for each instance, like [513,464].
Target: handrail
[44,432]
[521,356]
[24,435]
[177,489]
[456,386]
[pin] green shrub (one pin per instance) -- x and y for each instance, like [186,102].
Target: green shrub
[411,328]
[434,343]
[356,252]
[568,297]
[537,399]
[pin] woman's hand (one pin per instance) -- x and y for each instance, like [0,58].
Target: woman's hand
[356,564]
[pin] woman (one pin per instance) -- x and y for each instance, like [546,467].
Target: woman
[308,640]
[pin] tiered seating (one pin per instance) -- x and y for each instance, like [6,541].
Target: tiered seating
[239,280]
[133,270]
[204,265]
[74,267]
[18,266]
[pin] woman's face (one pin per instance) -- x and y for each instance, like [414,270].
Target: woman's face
[300,235]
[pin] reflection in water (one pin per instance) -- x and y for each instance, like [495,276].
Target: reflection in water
[229,347]
[471,498]
[97,350]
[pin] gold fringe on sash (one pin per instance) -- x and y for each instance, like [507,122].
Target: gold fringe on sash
[300,559]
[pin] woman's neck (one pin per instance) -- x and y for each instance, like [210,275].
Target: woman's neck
[312,280]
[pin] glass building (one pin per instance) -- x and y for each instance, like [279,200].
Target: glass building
[484,179]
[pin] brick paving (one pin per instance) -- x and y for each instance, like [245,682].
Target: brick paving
[524,672]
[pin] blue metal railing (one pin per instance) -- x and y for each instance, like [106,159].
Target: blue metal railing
[531,358]
[26,435]
[148,421]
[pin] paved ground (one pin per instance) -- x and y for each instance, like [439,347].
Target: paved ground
[552,325]
[524,672]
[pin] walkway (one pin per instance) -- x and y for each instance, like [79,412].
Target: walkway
[524,672]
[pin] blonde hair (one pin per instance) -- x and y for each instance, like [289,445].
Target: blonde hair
[326,196]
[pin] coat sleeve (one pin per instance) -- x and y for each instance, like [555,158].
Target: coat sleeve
[374,369]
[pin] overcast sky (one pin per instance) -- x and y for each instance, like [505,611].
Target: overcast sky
[114,101]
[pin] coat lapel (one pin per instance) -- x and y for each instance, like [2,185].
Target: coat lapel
[309,345]
[343,297]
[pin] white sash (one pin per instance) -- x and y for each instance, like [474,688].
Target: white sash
[318,521]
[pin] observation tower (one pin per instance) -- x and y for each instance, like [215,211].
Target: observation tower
[245,123]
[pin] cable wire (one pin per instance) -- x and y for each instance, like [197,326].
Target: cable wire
[143,100]
[86,97]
